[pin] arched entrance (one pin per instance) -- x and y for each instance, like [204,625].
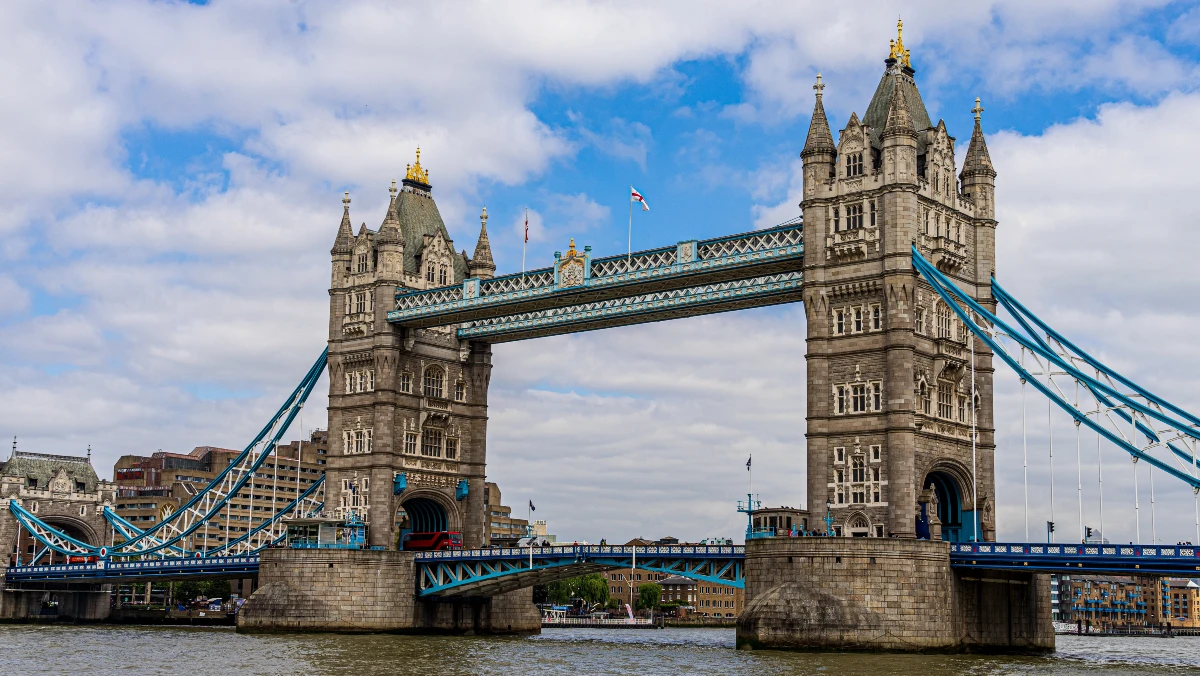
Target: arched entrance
[72,528]
[420,515]
[949,505]
[858,526]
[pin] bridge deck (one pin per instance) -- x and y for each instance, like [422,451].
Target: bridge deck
[483,572]
[762,267]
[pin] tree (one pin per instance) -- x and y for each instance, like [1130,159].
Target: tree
[189,590]
[592,588]
[649,595]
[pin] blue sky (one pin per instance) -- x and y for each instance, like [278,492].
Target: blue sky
[175,172]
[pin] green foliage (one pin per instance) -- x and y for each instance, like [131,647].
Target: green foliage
[188,590]
[649,594]
[591,588]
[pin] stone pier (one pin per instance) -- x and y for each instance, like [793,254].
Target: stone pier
[337,590]
[886,594]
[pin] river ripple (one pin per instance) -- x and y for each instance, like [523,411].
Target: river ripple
[102,650]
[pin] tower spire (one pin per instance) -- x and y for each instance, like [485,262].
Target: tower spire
[344,243]
[482,265]
[820,139]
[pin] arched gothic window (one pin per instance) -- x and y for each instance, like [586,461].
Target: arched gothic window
[429,272]
[442,275]
[435,381]
[926,403]
[942,317]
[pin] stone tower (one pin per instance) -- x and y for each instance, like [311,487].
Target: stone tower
[407,407]
[889,367]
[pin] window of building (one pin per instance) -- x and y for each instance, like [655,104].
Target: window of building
[962,409]
[945,401]
[362,380]
[926,212]
[841,498]
[872,203]
[858,320]
[876,318]
[362,262]
[839,321]
[942,316]
[431,443]
[356,441]
[858,398]
[840,453]
[435,379]
[854,164]
[878,529]
[451,448]
[840,476]
[429,270]
[349,303]
[406,382]
[410,442]
[841,399]
[442,275]
[837,219]
[460,391]
[875,451]
[876,396]
[925,399]
[919,323]
[360,302]
[858,470]
[854,216]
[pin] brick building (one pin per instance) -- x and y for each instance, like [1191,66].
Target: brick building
[1106,601]
[149,488]
[501,529]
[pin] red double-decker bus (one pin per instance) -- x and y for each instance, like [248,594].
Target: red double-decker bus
[425,542]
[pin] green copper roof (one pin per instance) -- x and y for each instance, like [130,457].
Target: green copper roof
[877,110]
[44,468]
[419,216]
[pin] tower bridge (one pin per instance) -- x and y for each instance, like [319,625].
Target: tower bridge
[893,255]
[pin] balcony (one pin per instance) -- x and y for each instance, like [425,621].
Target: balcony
[947,255]
[852,244]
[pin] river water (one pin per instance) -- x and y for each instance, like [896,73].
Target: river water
[92,650]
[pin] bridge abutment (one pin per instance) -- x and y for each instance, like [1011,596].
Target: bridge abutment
[340,590]
[886,594]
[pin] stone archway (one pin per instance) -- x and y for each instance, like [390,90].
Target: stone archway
[424,511]
[952,503]
[858,526]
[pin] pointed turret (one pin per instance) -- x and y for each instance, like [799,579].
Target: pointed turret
[978,176]
[899,139]
[389,230]
[819,151]
[482,265]
[899,117]
[344,242]
[820,139]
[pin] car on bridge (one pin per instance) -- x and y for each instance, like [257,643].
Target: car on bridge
[430,542]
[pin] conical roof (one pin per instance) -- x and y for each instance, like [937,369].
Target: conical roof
[820,139]
[977,161]
[896,78]
[899,117]
[483,248]
[344,242]
[389,230]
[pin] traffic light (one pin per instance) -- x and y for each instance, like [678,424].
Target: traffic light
[1088,530]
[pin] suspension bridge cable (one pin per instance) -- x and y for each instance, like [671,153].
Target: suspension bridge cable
[1024,454]
[1079,468]
[1050,428]
[1099,466]
[974,480]
[1153,527]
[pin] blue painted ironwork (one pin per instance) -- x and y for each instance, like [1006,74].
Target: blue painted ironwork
[399,483]
[1082,558]
[460,492]
[759,254]
[655,306]
[1117,400]
[486,572]
[163,569]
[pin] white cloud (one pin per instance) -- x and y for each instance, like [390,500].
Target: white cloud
[221,285]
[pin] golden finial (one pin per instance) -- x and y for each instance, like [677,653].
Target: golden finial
[415,173]
[898,51]
[571,253]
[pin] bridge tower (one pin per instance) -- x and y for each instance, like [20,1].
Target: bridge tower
[889,368]
[407,407]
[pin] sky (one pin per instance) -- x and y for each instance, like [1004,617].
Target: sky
[173,174]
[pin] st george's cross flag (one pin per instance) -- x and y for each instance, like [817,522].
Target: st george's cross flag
[635,196]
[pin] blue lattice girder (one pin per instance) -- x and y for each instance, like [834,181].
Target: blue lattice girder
[739,294]
[759,253]
[1082,558]
[487,572]
[1110,400]
[154,569]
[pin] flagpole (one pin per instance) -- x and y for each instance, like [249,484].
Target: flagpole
[525,245]
[629,245]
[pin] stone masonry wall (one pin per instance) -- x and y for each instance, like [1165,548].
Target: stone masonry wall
[886,594]
[331,590]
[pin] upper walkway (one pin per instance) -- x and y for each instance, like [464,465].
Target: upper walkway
[579,293]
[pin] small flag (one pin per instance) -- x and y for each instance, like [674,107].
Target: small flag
[526,226]
[531,507]
[635,196]
[748,463]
